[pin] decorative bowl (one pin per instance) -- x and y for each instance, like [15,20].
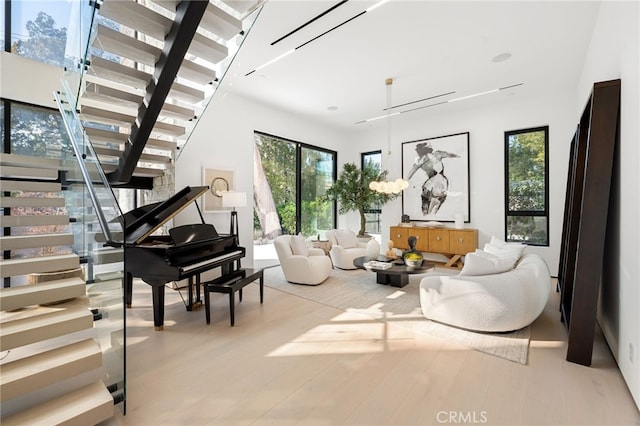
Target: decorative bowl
[413,259]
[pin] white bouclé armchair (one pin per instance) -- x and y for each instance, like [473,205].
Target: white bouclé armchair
[345,247]
[300,264]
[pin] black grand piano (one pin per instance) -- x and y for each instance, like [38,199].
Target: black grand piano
[185,253]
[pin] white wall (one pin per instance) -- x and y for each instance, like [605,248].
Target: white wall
[486,127]
[614,53]
[223,140]
[28,81]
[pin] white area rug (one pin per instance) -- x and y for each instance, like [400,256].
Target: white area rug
[357,291]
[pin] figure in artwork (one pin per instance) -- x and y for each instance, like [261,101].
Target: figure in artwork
[436,185]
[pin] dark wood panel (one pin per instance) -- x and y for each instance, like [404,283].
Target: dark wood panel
[585,217]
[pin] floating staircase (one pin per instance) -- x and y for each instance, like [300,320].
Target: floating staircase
[131,49]
[51,364]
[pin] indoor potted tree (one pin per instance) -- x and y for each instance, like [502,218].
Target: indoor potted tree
[353,190]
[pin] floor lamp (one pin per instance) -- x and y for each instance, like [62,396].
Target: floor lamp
[233,200]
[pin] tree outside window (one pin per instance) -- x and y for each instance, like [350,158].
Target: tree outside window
[289,183]
[372,215]
[526,186]
[38,31]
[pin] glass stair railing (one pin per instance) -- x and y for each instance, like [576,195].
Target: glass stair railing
[111,61]
[98,234]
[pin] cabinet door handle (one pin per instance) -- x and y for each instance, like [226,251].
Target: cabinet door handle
[460,240]
[398,236]
[438,238]
[417,237]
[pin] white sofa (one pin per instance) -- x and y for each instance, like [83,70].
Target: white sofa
[311,266]
[345,247]
[500,302]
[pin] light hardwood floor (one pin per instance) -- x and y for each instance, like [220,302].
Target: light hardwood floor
[293,361]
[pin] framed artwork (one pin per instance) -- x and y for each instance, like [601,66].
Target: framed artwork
[438,173]
[217,181]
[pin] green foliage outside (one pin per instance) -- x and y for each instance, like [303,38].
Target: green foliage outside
[527,172]
[278,160]
[527,187]
[279,163]
[351,190]
[37,131]
[46,43]
[316,176]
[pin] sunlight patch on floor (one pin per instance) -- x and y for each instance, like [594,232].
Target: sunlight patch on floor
[348,333]
[546,344]
[396,294]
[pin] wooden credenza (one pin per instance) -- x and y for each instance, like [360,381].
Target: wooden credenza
[453,243]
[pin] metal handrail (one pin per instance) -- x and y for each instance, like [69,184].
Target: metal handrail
[104,224]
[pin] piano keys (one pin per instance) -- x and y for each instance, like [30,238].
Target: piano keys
[185,253]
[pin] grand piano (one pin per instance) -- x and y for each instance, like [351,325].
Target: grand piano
[185,253]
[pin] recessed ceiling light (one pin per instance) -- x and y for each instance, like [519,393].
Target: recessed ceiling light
[501,57]
[332,108]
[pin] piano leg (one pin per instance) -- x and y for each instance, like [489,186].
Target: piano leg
[190,298]
[128,289]
[192,305]
[157,291]
[158,306]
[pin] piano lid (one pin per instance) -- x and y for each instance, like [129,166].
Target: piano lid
[147,219]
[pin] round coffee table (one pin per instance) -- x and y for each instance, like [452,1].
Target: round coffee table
[397,275]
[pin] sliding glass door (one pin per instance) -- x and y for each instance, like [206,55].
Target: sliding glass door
[317,169]
[290,179]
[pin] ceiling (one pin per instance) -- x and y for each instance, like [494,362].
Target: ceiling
[428,48]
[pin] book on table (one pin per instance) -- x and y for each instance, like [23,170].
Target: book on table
[374,264]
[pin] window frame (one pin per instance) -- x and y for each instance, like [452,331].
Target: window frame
[10,33]
[299,146]
[372,210]
[526,213]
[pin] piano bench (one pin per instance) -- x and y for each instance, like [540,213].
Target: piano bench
[230,283]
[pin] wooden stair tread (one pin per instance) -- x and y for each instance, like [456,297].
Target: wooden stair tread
[29,186]
[90,404]
[34,372]
[113,41]
[98,92]
[136,16]
[208,49]
[34,220]
[28,161]
[27,172]
[31,202]
[148,158]
[16,242]
[220,23]
[41,323]
[120,44]
[23,266]
[121,74]
[99,114]
[106,136]
[139,171]
[47,292]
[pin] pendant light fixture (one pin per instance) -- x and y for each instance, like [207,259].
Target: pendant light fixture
[398,185]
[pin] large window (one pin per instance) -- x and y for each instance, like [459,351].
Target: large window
[37,29]
[526,186]
[33,130]
[372,214]
[289,182]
